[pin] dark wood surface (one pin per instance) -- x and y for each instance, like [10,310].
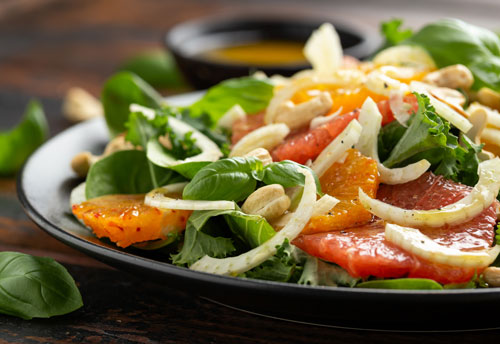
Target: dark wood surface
[47,47]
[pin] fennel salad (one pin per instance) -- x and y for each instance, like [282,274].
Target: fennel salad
[373,174]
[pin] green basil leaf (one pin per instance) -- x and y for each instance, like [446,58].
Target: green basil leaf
[35,287]
[227,179]
[121,90]
[189,169]
[140,129]
[252,94]
[452,41]
[157,68]
[17,144]
[402,283]
[254,230]
[286,174]
[126,172]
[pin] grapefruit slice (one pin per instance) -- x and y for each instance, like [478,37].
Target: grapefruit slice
[126,220]
[363,251]
[342,181]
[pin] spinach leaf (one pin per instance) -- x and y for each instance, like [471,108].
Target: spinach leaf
[203,123]
[157,68]
[452,41]
[393,33]
[282,267]
[389,136]
[121,90]
[126,172]
[17,144]
[201,239]
[35,287]
[286,174]
[232,179]
[401,283]
[189,169]
[252,94]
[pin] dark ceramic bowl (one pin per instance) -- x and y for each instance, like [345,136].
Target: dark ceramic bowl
[187,41]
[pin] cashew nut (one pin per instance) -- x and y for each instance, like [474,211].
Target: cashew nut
[79,105]
[297,116]
[269,202]
[456,76]
[489,98]
[262,154]
[82,161]
[491,276]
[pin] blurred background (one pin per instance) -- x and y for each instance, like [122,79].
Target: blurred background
[48,46]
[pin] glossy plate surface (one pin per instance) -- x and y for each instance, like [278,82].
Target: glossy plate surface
[44,187]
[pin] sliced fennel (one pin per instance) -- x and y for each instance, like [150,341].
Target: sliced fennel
[266,137]
[442,109]
[248,260]
[414,241]
[405,56]
[324,205]
[336,149]
[380,83]
[155,153]
[482,196]
[371,119]
[323,50]
[158,198]
[77,195]
[233,114]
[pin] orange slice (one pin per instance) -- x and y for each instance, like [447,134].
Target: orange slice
[342,181]
[126,220]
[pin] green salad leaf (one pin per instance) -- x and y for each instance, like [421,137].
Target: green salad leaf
[121,90]
[318,272]
[126,172]
[428,136]
[453,41]
[282,267]
[156,67]
[17,144]
[286,173]
[392,32]
[35,287]
[402,283]
[203,236]
[227,179]
[253,230]
[252,94]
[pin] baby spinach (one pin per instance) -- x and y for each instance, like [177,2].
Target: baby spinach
[17,144]
[401,283]
[121,90]
[189,169]
[35,287]
[254,230]
[252,94]
[231,179]
[126,172]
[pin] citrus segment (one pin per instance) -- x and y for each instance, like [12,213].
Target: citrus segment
[342,181]
[126,220]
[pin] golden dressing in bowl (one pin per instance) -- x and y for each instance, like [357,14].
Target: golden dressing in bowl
[260,53]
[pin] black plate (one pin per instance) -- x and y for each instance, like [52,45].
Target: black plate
[44,187]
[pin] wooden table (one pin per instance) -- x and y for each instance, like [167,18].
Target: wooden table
[47,47]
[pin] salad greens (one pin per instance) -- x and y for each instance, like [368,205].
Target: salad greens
[428,136]
[252,94]
[18,143]
[401,283]
[35,287]
[452,41]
